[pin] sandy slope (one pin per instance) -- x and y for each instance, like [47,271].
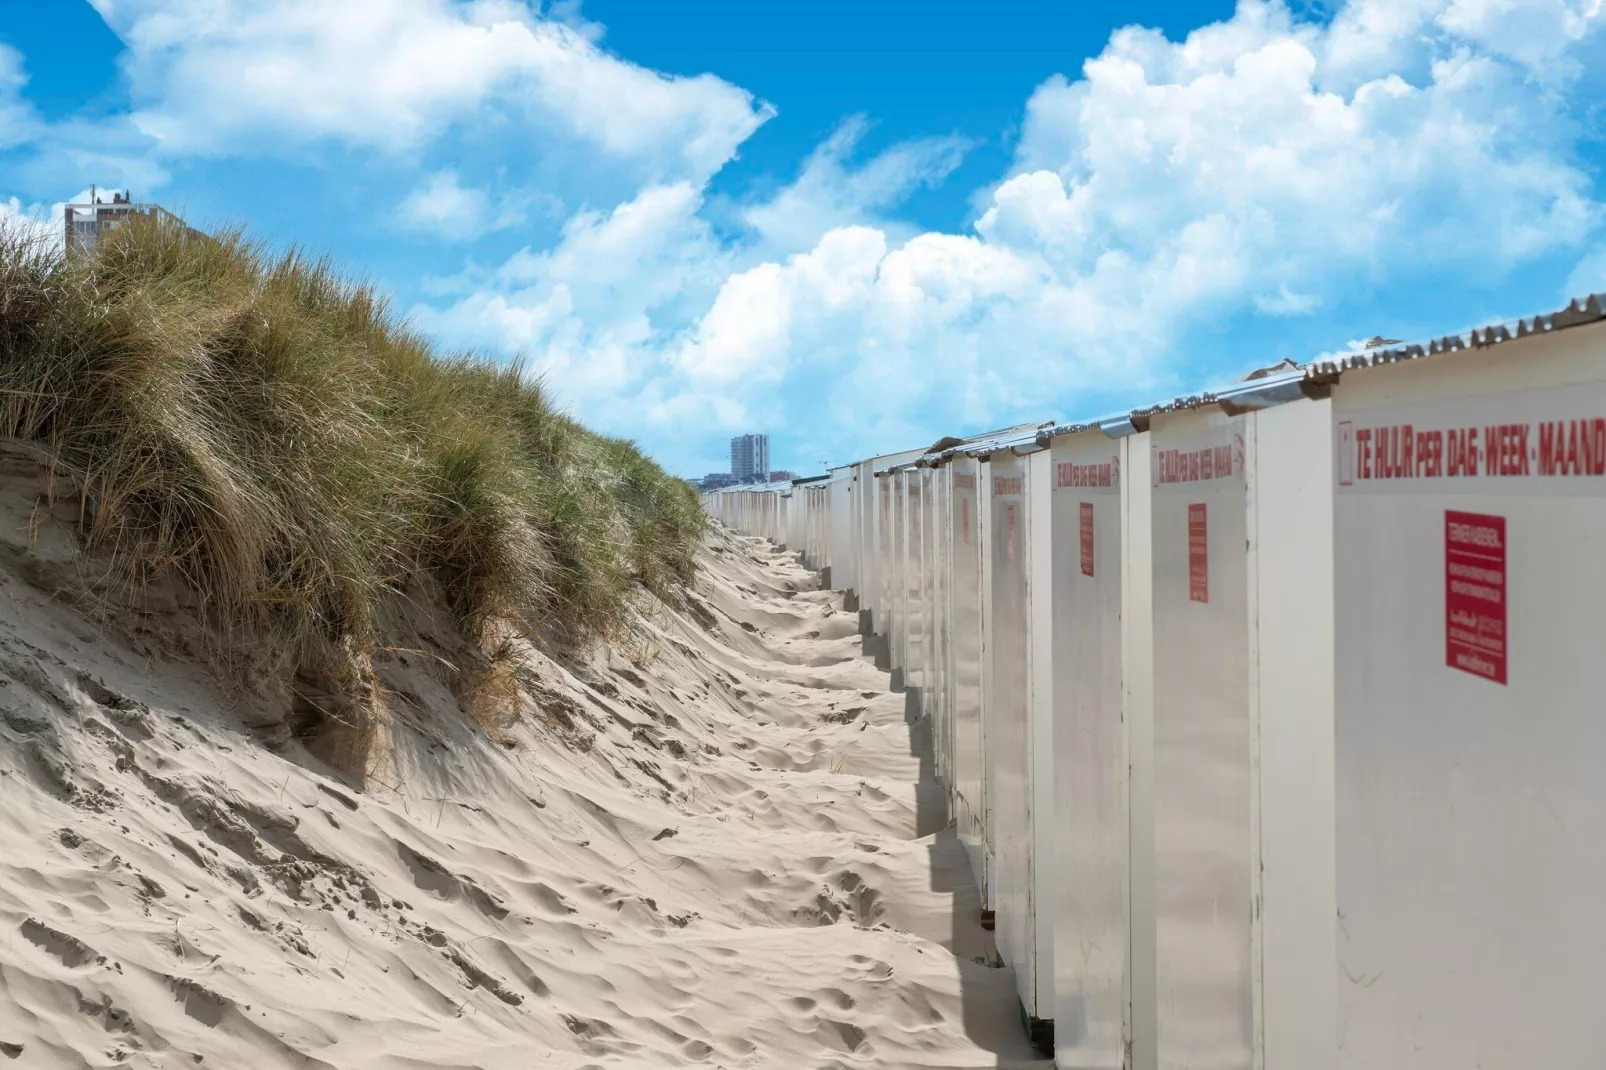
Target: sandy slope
[707,855]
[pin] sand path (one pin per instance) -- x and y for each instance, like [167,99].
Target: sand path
[722,851]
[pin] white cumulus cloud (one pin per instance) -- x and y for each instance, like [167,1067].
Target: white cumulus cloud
[32,222]
[1538,33]
[591,313]
[1246,170]
[831,191]
[17,120]
[442,206]
[394,75]
[1264,169]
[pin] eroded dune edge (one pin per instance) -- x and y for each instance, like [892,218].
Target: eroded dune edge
[709,845]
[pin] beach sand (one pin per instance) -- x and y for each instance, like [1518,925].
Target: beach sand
[719,846]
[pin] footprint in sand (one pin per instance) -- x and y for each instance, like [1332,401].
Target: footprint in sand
[68,950]
[837,998]
[841,1035]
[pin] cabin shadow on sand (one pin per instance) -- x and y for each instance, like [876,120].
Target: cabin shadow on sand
[990,1008]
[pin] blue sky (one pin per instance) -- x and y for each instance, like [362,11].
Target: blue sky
[857,226]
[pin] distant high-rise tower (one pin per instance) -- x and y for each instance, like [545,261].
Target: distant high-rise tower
[750,458]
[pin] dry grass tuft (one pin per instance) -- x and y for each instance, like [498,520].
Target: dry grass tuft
[492,689]
[254,426]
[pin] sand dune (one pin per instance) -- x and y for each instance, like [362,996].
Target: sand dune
[712,849]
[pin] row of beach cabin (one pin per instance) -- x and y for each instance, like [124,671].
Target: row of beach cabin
[1273,720]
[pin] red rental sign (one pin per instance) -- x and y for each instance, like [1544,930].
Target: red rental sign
[1475,594]
[1198,555]
[1087,538]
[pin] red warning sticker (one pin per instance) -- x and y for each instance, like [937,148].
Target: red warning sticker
[1475,594]
[1198,555]
[1087,538]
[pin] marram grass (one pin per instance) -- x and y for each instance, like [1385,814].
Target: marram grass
[269,434]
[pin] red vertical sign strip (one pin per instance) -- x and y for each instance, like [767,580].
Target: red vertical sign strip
[1198,555]
[1346,453]
[1009,512]
[964,522]
[1475,594]
[1087,538]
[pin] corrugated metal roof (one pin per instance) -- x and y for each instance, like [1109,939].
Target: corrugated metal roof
[1241,396]
[984,450]
[783,484]
[1275,385]
[891,459]
[1118,426]
[1579,311]
[1287,381]
[993,441]
[968,446]
[1282,382]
